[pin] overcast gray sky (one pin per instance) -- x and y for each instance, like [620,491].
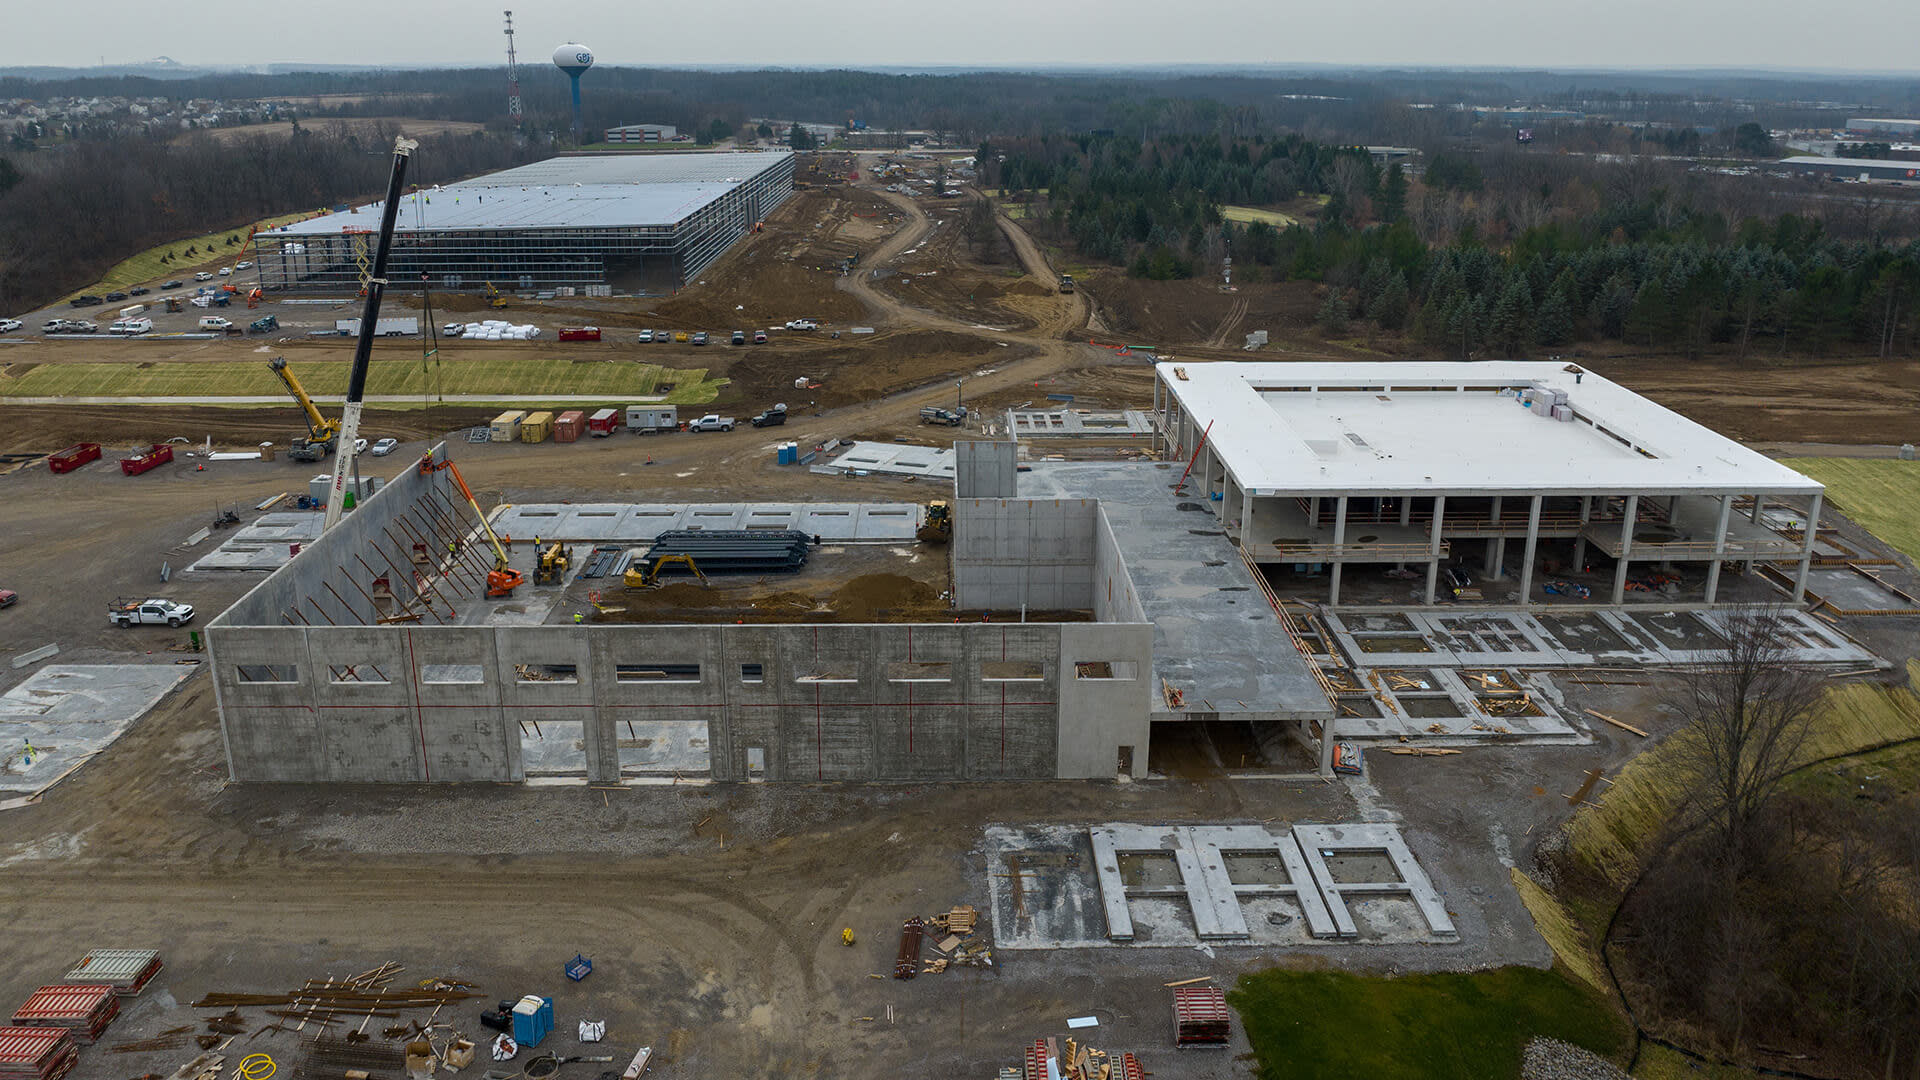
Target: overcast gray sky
[1836,34]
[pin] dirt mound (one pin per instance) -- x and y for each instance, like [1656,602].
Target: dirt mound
[870,594]
[854,370]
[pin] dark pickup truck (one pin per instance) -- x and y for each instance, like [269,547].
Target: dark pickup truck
[773,417]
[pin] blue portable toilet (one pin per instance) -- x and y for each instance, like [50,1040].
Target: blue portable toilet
[532,1019]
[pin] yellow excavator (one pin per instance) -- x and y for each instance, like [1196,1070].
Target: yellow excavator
[553,565]
[495,299]
[639,576]
[318,442]
[502,579]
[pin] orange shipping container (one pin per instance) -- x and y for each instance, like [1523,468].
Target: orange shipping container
[568,426]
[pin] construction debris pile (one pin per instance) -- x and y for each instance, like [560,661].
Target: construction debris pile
[1044,1060]
[953,938]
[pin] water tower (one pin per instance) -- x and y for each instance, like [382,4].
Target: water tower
[574,59]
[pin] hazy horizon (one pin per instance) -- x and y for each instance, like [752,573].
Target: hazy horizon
[1501,34]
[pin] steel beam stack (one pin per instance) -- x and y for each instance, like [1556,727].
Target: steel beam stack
[731,551]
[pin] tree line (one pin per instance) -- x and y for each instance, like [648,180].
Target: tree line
[67,217]
[1490,255]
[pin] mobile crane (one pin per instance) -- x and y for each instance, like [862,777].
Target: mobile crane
[321,432]
[502,579]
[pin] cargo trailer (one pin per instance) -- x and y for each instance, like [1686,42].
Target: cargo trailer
[603,423]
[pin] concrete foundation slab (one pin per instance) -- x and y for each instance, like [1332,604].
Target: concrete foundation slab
[639,523]
[1323,843]
[1078,424]
[67,713]
[890,459]
[262,544]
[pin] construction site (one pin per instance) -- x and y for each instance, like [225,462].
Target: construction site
[1021,692]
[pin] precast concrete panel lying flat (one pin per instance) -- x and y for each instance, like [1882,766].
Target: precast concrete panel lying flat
[890,459]
[1321,842]
[66,713]
[263,543]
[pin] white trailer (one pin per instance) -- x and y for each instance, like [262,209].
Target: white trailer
[646,419]
[394,327]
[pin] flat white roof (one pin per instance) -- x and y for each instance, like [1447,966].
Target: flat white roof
[1455,428]
[602,192]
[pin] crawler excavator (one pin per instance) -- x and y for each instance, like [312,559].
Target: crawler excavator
[318,442]
[502,579]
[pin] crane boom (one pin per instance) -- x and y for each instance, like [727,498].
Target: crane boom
[403,149]
[318,427]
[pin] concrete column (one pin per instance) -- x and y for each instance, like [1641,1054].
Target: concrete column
[1719,547]
[1433,545]
[1533,544]
[1339,538]
[1580,541]
[1496,546]
[1313,512]
[1806,547]
[1246,516]
[1626,549]
[1758,501]
[1406,509]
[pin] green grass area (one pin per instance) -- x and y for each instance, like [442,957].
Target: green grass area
[147,266]
[1890,772]
[1883,495]
[514,378]
[1440,1026]
[1659,1063]
[1249,214]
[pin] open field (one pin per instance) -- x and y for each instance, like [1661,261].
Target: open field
[512,377]
[1882,495]
[1249,214]
[412,127]
[147,266]
[1416,1027]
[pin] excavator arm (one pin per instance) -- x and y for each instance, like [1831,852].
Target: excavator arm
[319,428]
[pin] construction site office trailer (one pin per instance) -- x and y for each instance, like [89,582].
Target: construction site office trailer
[506,426]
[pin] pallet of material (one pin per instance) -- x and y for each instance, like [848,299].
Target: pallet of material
[128,971]
[1130,1068]
[36,1053]
[84,1010]
[1200,1016]
[907,964]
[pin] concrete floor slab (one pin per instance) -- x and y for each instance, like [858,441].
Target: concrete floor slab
[68,712]
[639,523]
[1848,589]
[890,459]
[262,544]
[1215,637]
[1078,424]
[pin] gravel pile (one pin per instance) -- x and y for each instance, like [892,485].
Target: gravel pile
[1551,1059]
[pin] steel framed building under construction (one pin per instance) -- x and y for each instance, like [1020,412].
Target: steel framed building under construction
[633,221]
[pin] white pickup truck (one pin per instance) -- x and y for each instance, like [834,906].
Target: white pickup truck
[712,422]
[151,611]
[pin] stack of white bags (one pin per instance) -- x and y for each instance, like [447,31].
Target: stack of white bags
[500,330]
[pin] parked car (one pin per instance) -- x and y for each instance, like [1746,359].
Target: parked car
[133,612]
[700,338]
[9,324]
[226,271]
[86,300]
[172,284]
[138,290]
[359,446]
[773,417]
[646,336]
[8,598]
[385,447]
[712,422]
[203,276]
[115,297]
[243,264]
[662,336]
[759,337]
[802,324]
[739,337]
[453,329]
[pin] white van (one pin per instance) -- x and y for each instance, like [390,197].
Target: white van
[218,323]
[130,327]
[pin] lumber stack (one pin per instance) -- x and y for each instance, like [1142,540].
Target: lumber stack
[84,1010]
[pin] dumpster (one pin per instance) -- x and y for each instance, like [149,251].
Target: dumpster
[74,456]
[151,458]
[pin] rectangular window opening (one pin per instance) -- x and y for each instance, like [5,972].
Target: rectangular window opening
[1012,671]
[657,673]
[356,673]
[828,675]
[913,671]
[451,674]
[1105,669]
[268,673]
[752,673]
[546,673]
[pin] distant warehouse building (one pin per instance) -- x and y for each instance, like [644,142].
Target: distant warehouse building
[630,221]
[1873,169]
[642,133]
[1868,125]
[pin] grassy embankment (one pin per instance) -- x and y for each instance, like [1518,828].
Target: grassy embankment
[146,266]
[1882,495]
[510,378]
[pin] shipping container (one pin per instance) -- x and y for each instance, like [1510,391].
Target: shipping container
[579,333]
[537,428]
[603,423]
[74,456]
[644,419]
[151,458]
[506,426]
[568,425]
